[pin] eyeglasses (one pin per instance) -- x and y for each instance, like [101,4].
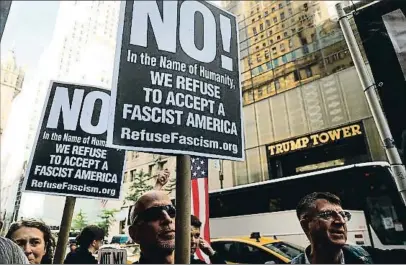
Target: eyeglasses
[332,215]
[155,213]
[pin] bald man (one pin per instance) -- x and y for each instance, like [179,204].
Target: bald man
[153,227]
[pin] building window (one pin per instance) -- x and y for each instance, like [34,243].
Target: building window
[266,13]
[293,31]
[313,36]
[276,62]
[261,27]
[305,6]
[284,58]
[161,165]
[125,177]
[150,169]
[263,44]
[133,173]
[285,34]
[259,92]
[280,5]
[275,19]
[254,29]
[305,49]
[270,41]
[259,17]
[290,11]
[268,23]
[270,33]
[262,36]
[267,54]
[308,72]
[290,43]
[277,84]
[253,20]
[282,16]
[259,59]
[273,9]
[278,37]
[282,46]
[274,50]
[296,76]
[254,72]
[287,2]
[257,47]
[250,95]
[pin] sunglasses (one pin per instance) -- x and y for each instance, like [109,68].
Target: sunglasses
[156,213]
[332,215]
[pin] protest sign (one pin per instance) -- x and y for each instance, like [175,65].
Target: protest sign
[112,256]
[70,156]
[176,83]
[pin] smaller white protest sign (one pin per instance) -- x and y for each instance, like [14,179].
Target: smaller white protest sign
[70,155]
[112,256]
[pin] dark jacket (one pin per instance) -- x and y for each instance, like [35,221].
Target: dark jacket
[215,259]
[80,256]
[363,255]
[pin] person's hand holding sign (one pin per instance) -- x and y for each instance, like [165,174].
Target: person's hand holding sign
[162,179]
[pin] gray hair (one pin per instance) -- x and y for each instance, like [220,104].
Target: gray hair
[11,253]
[307,203]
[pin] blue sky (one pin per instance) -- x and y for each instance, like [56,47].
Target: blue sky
[29,29]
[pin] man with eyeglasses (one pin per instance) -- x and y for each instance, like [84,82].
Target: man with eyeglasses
[153,227]
[325,224]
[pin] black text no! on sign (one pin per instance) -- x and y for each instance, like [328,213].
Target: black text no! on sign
[70,156]
[176,85]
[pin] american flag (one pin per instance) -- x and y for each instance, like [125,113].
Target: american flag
[200,198]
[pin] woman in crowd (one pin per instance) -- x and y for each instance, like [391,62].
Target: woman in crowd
[35,239]
[89,241]
[72,247]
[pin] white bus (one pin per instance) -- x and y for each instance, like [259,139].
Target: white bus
[367,190]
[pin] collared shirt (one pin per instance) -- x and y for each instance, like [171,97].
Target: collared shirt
[308,261]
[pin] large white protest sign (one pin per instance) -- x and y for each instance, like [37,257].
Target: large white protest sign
[112,256]
[176,84]
[70,156]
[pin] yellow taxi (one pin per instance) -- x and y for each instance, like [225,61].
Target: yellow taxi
[255,250]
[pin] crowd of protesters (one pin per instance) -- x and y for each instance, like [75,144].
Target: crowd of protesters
[320,214]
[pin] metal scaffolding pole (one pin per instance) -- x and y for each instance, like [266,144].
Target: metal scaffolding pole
[398,169]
